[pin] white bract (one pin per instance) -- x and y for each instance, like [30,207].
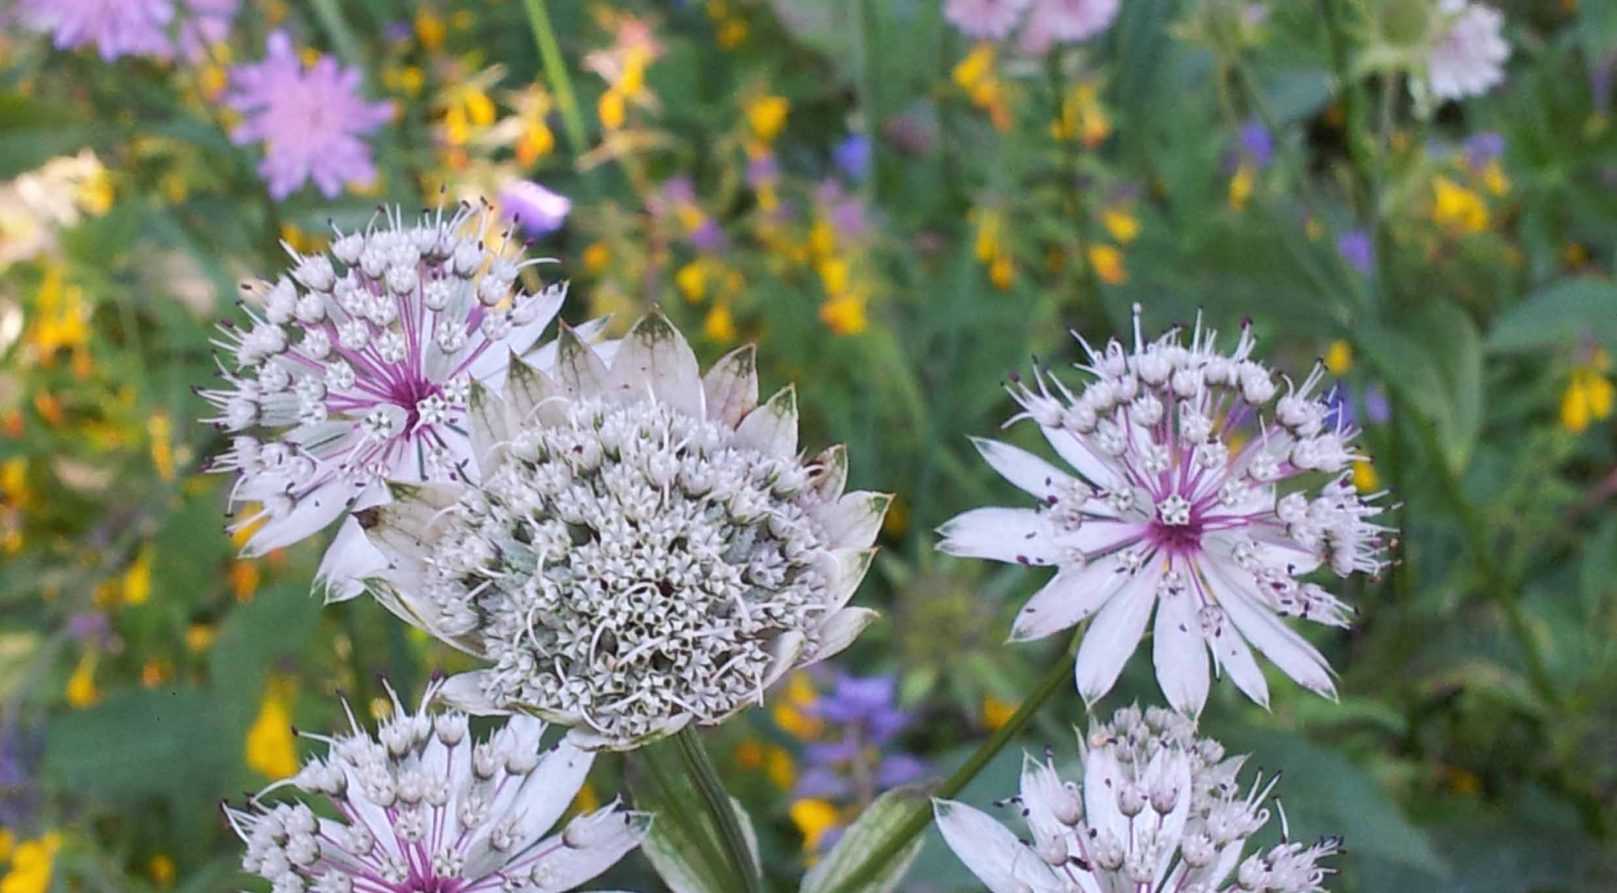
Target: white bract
[1159,811]
[355,369]
[646,548]
[1468,58]
[1202,490]
[423,806]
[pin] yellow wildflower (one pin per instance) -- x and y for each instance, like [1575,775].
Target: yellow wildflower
[429,29]
[732,33]
[1339,357]
[814,818]
[271,750]
[61,319]
[81,691]
[405,79]
[833,274]
[1365,478]
[719,325]
[1002,272]
[1241,186]
[137,581]
[155,672]
[31,865]
[1494,179]
[1457,208]
[161,432]
[244,579]
[1108,264]
[199,637]
[160,868]
[633,78]
[822,240]
[8,843]
[976,68]
[212,80]
[845,314]
[1589,394]
[691,280]
[780,767]
[1082,117]
[1121,223]
[791,711]
[997,712]
[596,257]
[749,754]
[467,109]
[536,142]
[766,116]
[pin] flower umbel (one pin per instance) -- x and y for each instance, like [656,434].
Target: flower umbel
[1469,56]
[646,548]
[425,807]
[356,368]
[1159,809]
[1202,491]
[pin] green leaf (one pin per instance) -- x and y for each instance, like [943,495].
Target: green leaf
[277,624]
[1559,314]
[684,844]
[1433,360]
[141,743]
[866,833]
[1326,794]
[32,132]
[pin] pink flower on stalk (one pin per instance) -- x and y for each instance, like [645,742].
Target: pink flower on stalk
[310,120]
[358,368]
[985,19]
[1202,492]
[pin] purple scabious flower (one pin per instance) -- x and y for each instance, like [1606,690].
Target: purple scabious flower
[1355,248]
[204,23]
[310,120]
[852,762]
[114,27]
[536,209]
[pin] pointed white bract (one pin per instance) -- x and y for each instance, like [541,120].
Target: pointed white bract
[422,805]
[356,368]
[646,548]
[1468,57]
[1158,809]
[1174,509]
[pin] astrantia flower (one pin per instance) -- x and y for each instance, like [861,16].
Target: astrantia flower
[985,19]
[356,369]
[114,27]
[310,120]
[1065,21]
[1159,809]
[1198,494]
[646,549]
[422,806]
[1469,56]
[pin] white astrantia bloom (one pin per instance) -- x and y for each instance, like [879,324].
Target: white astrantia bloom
[1159,811]
[424,806]
[647,548]
[355,369]
[1201,489]
[1468,58]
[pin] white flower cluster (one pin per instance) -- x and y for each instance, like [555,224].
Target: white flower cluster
[646,548]
[1159,809]
[1468,57]
[422,806]
[355,368]
[1181,454]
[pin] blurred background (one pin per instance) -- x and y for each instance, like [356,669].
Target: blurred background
[902,213]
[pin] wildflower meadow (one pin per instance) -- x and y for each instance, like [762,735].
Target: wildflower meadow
[835,446]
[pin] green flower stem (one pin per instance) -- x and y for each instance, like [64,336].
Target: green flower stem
[556,72]
[1056,678]
[717,801]
[336,27]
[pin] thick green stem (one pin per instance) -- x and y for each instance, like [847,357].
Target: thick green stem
[1057,677]
[717,801]
[544,36]
[336,27]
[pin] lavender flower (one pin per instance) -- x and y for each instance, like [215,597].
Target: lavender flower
[1256,145]
[1482,149]
[114,27]
[985,19]
[423,806]
[1355,247]
[310,120]
[536,209]
[1194,497]
[1065,21]
[853,759]
[852,156]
